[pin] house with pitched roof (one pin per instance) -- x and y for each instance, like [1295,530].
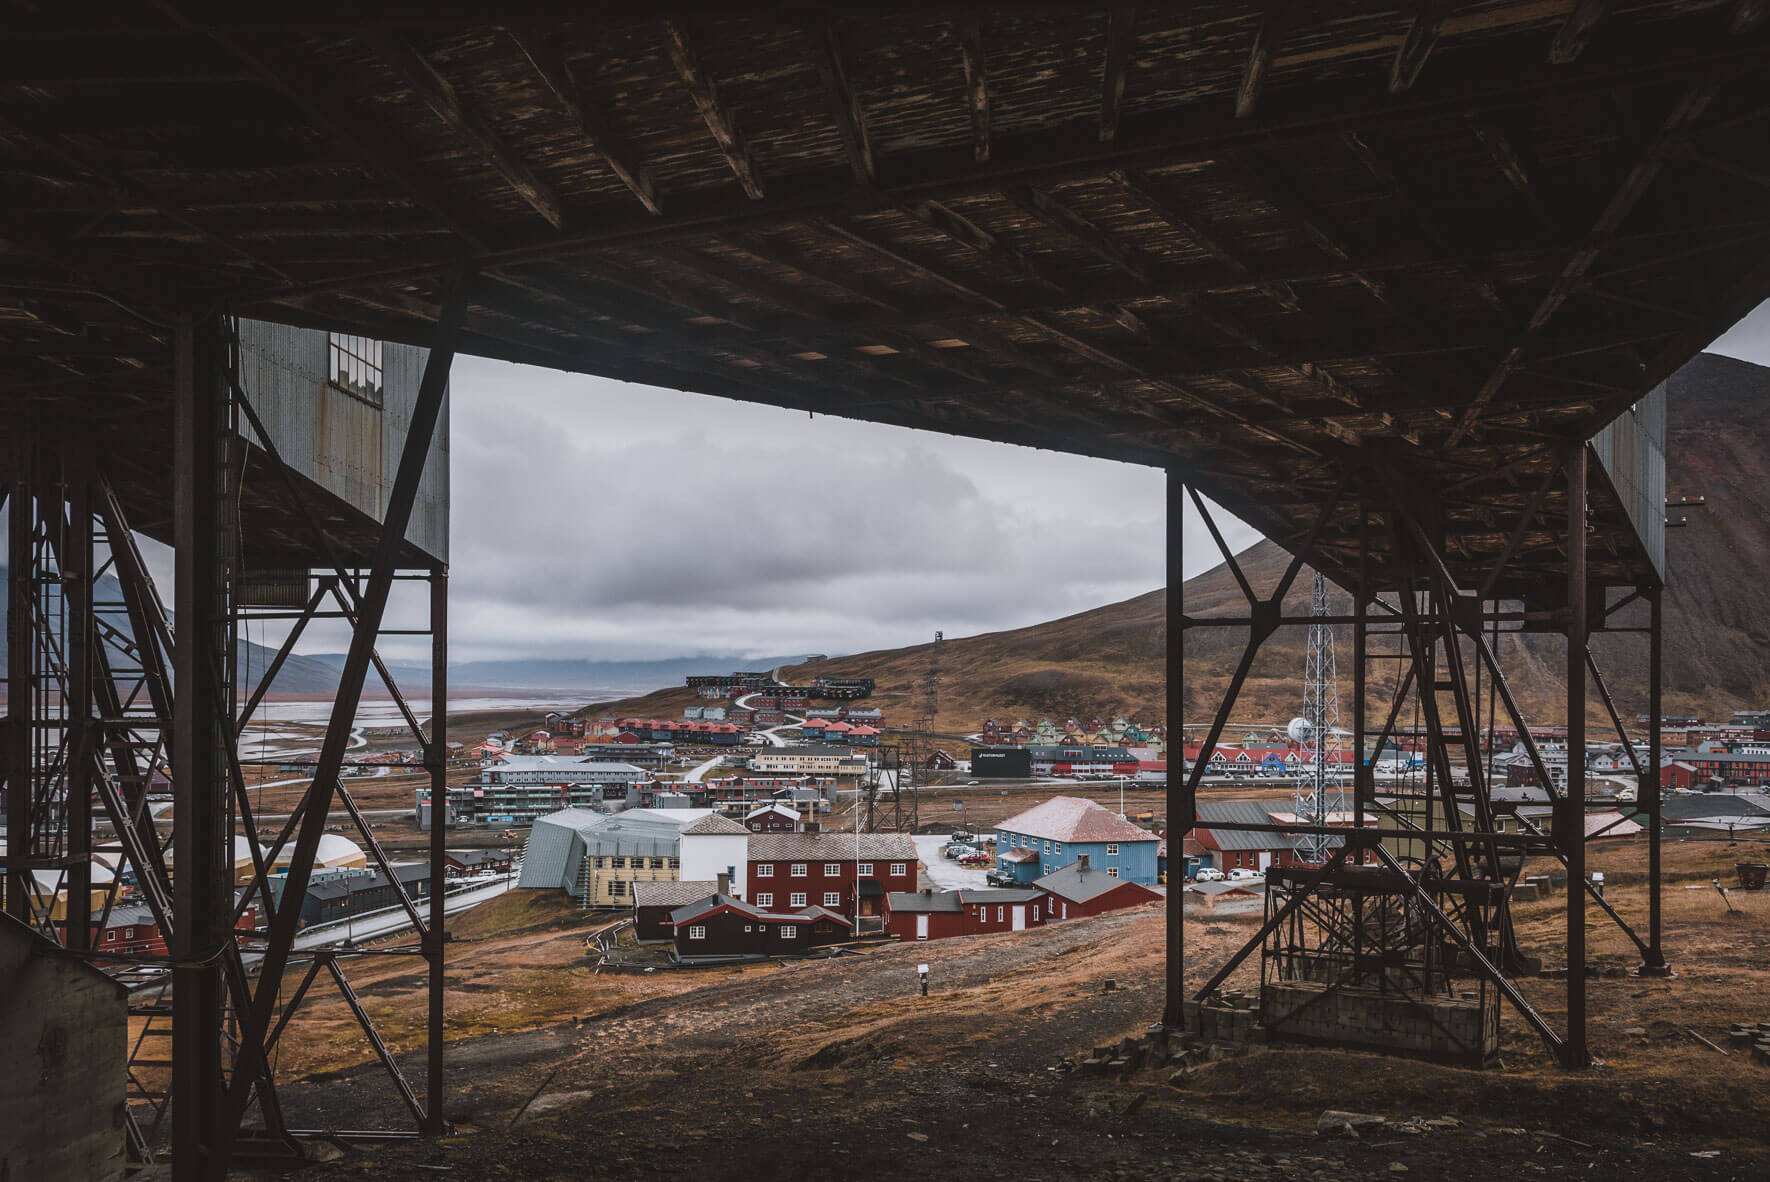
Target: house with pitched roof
[1052,835]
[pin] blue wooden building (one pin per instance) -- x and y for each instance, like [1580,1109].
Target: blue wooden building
[1054,834]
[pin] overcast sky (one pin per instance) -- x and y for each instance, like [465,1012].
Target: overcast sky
[600,520]
[597,518]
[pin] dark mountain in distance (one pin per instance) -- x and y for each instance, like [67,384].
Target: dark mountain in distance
[299,675]
[626,677]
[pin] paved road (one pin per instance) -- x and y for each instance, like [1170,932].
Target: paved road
[772,734]
[694,775]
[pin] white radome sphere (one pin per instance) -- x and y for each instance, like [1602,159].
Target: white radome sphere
[1299,730]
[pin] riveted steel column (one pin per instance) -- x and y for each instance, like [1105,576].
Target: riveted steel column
[436,760]
[203,821]
[75,560]
[20,641]
[1570,809]
[1181,806]
[1648,791]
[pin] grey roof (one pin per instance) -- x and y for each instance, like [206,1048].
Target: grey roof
[671,894]
[1001,895]
[1079,884]
[925,901]
[716,825]
[1708,805]
[1212,813]
[816,912]
[831,847]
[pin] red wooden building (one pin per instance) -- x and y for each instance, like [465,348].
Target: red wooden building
[721,926]
[1079,889]
[788,871]
[774,818]
[937,915]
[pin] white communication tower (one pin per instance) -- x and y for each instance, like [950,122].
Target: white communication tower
[1320,776]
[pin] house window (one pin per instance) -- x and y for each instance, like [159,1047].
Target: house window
[747,927]
[620,863]
[765,870]
[697,932]
[675,863]
[866,869]
[1112,849]
[765,900]
[798,870]
[832,899]
[897,870]
[789,931]
[617,888]
[129,933]
[796,899]
[832,869]
[1112,872]
[354,365]
[111,935]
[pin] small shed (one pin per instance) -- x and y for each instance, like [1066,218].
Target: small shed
[926,914]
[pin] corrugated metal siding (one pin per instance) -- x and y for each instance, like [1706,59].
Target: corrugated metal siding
[339,441]
[555,849]
[1633,452]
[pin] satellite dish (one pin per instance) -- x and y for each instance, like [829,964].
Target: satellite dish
[1299,730]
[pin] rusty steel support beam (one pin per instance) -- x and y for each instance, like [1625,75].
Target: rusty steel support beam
[203,835]
[390,545]
[19,882]
[1182,803]
[1647,792]
[74,557]
[436,762]
[1570,810]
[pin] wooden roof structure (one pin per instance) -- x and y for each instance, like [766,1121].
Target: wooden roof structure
[1271,244]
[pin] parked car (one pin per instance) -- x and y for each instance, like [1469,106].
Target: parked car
[975,859]
[1208,874]
[1243,874]
[956,849]
[964,835]
[1001,878]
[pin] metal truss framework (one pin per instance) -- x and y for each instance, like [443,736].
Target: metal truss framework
[1447,842]
[108,703]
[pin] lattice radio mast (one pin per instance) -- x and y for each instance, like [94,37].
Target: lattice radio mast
[1320,788]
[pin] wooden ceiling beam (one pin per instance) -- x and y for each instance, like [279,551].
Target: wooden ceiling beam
[1060,217]
[1468,85]
[1417,45]
[1635,186]
[551,67]
[969,30]
[1274,23]
[715,112]
[1576,31]
[1121,38]
[845,107]
[446,103]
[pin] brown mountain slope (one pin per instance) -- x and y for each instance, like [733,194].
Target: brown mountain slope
[1109,660]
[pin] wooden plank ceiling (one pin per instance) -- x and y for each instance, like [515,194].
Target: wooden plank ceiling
[1274,245]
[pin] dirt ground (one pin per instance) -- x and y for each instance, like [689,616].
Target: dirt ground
[837,1068]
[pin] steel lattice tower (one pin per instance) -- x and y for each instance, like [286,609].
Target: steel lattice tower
[1320,791]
